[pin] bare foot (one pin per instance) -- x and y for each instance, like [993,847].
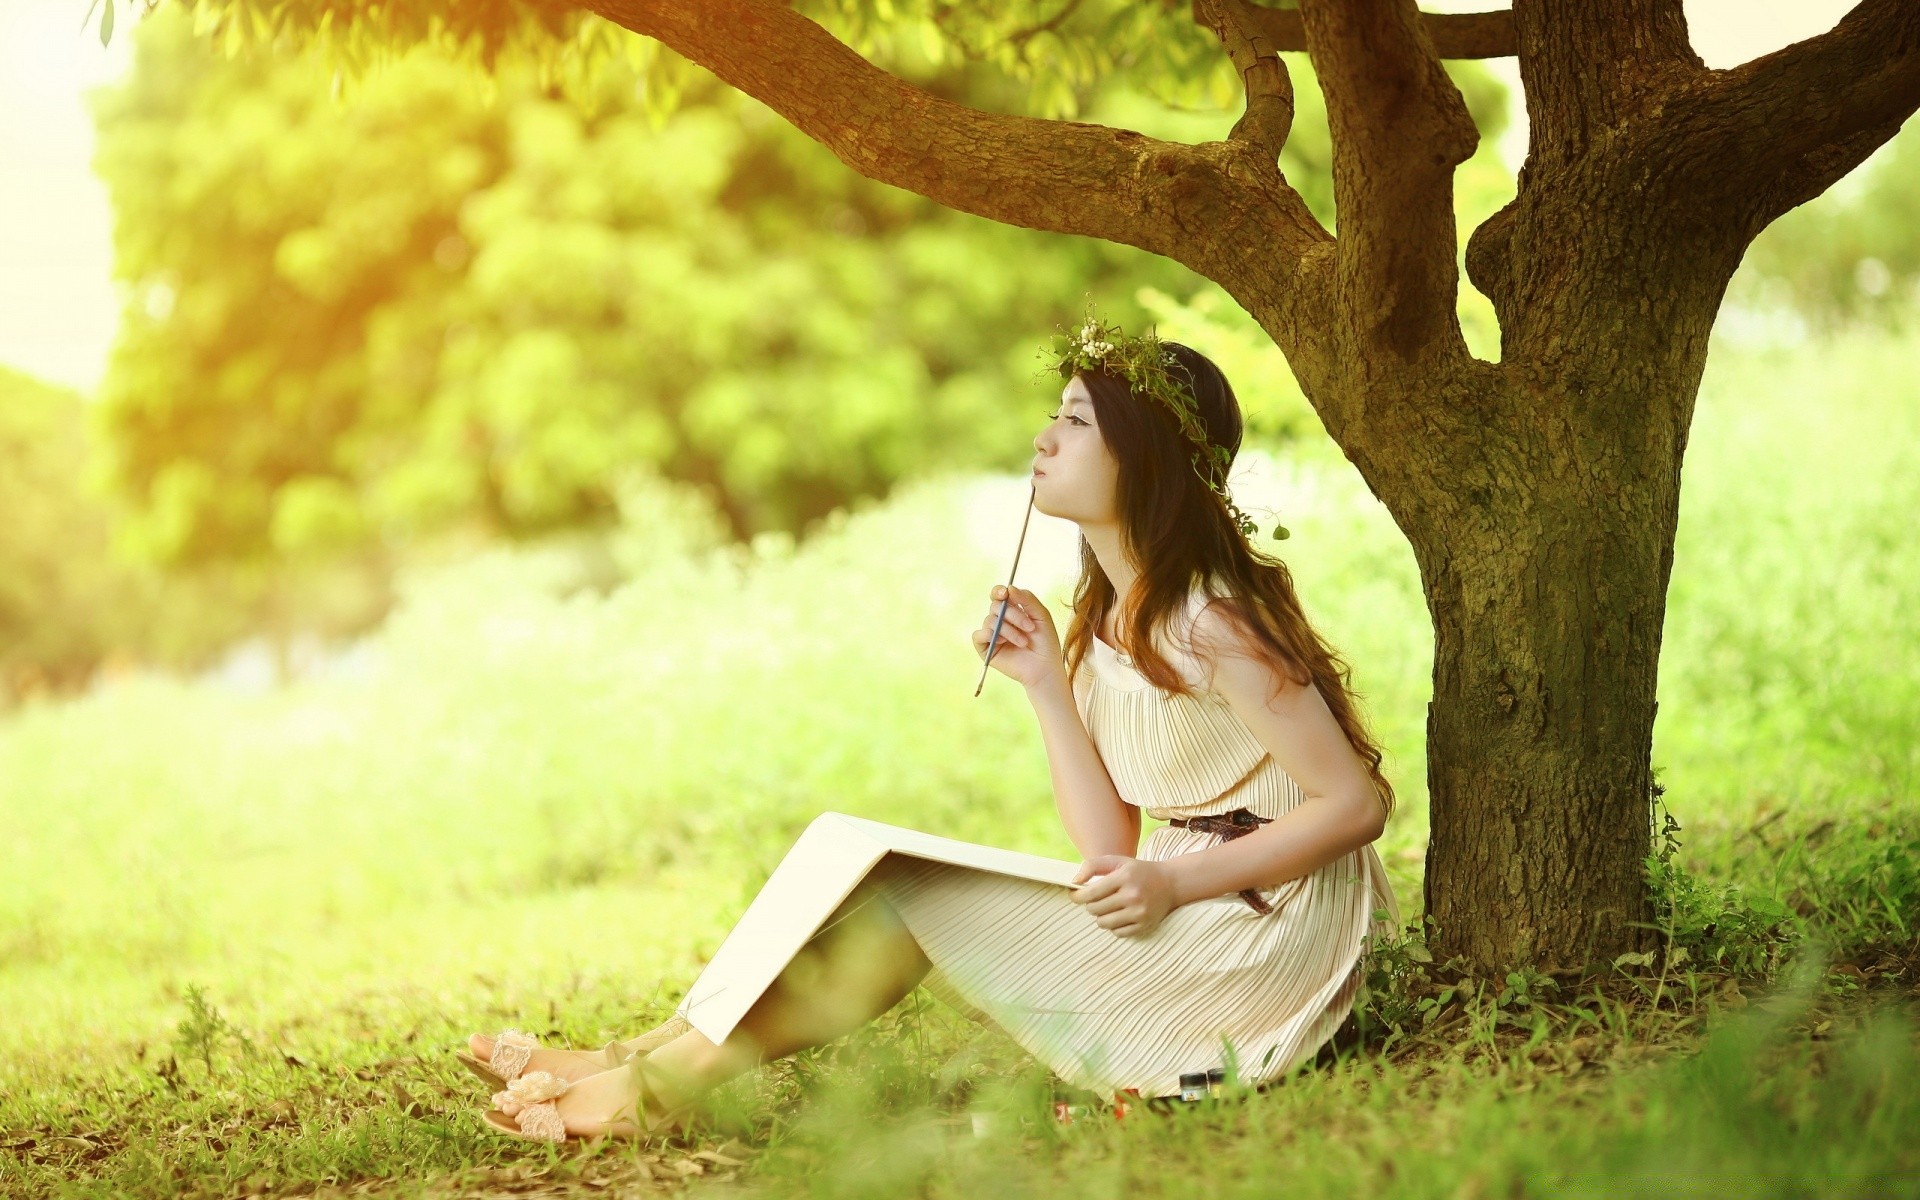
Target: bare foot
[658,1036]
[609,1104]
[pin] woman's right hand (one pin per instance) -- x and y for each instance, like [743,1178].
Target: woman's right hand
[1029,650]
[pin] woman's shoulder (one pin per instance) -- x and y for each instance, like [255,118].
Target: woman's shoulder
[1182,638]
[1213,622]
[1208,611]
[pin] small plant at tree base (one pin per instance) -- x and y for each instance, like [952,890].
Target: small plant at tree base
[1715,926]
[1396,993]
[1523,987]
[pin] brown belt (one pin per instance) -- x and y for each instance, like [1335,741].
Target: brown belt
[1229,826]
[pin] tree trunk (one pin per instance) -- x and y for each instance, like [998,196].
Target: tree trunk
[1547,643]
[1541,505]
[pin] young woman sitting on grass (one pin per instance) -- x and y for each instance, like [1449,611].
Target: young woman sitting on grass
[1190,687]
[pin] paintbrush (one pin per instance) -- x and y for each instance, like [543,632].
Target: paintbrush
[1001,619]
[994,643]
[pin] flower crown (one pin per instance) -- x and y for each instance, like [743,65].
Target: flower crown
[1143,361]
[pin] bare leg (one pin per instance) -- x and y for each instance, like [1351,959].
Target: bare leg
[860,965]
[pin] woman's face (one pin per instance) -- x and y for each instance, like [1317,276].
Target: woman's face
[1075,475]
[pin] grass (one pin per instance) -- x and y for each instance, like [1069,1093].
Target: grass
[240,934]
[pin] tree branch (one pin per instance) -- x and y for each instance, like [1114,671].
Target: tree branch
[1803,116]
[1588,66]
[1212,207]
[1399,128]
[1269,88]
[1454,35]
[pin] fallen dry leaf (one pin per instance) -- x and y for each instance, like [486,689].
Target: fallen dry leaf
[718,1159]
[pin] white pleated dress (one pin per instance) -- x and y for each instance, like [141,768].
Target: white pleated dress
[1216,979]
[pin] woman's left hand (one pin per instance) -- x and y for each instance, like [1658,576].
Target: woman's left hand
[1130,896]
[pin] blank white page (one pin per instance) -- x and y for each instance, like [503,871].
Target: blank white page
[831,857]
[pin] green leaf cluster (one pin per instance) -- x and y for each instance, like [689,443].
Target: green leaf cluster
[68,602]
[1061,52]
[1719,925]
[54,574]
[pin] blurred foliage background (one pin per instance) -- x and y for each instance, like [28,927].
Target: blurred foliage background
[388,320]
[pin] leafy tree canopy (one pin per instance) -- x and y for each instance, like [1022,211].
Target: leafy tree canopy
[1059,48]
[440,296]
[67,600]
[414,305]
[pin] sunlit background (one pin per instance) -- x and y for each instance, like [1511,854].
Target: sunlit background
[56,254]
[241,542]
[449,548]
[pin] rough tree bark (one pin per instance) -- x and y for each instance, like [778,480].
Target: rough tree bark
[1539,493]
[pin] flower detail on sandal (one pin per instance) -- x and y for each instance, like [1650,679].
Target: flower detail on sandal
[512,1050]
[529,1100]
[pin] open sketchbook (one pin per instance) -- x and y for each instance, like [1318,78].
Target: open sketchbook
[828,861]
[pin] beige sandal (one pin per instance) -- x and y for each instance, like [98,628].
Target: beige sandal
[512,1050]
[672,1028]
[526,1109]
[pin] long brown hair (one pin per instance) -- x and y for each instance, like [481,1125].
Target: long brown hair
[1182,533]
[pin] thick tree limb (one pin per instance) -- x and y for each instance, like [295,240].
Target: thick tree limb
[1212,207]
[1454,35]
[1589,65]
[1399,128]
[1794,121]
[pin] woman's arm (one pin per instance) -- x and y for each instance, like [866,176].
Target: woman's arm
[1096,818]
[1342,810]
